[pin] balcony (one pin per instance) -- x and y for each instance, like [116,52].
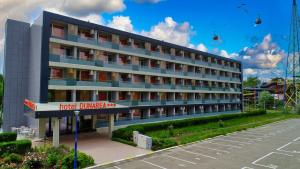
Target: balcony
[70,59]
[117,66]
[73,82]
[161,86]
[108,44]
[194,101]
[185,87]
[128,84]
[150,69]
[149,103]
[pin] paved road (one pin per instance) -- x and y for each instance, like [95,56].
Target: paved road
[274,146]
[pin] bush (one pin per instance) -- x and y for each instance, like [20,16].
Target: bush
[124,141]
[19,147]
[55,155]
[171,130]
[83,160]
[221,123]
[34,160]
[8,136]
[125,135]
[297,109]
[13,158]
[162,143]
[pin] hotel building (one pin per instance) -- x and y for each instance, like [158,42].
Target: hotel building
[58,64]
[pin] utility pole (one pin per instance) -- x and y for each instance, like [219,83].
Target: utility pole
[291,88]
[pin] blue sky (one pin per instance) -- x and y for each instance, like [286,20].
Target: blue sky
[191,23]
[235,26]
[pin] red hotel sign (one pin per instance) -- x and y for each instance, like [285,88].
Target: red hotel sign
[86,105]
[57,106]
[30,104]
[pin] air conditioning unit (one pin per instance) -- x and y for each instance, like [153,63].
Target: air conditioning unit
[92,52]
[92,32]
[130,41]
[158,78]
[92,72]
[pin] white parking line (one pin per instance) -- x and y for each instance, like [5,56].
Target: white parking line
[212,149]
[258,139]
[233,141]
[296,139]
[153,164]
[294,151]
[117,167]
[246,168]
[272,166]
[191,152]
[224,145]
[180,159]
[252,135]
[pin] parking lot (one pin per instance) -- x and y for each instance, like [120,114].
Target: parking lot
[273,146]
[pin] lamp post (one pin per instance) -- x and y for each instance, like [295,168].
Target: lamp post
[76,112]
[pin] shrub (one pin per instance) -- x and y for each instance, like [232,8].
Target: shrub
[158,143]
[56,154]
[124,141]
[171,130]
[125,135]
[34,160]
[9,166]
[221,123]
[297,109]
[83,160]
[19,147]
[8,136]
[13,158]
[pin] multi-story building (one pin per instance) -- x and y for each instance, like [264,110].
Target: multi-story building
[61,60]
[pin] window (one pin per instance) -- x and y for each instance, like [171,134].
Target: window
[56,73]
[58,31]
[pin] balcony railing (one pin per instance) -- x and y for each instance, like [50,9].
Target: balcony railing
[108,44]
[73,82]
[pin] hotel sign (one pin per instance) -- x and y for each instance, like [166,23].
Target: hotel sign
[86,105]
[60,106]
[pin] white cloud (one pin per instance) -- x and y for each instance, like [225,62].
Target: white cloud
[171,31]
[93,18]
[87,7]
[250,72]
[202,47]
[122,23]
[264,55]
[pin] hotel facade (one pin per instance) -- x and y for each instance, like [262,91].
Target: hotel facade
[60,64]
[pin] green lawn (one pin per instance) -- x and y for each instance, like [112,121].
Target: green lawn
[199,132]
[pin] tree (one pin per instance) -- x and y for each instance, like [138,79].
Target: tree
[266,100]
[251,82]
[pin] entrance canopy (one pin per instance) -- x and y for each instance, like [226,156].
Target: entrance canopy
[63,109]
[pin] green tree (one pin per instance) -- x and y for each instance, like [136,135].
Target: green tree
[266,100]
[251,82]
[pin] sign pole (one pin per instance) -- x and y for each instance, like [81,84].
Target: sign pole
[76,112]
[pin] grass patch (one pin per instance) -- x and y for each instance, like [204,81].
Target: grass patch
[171,133]
[203,131]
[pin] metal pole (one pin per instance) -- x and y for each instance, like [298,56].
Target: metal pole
[76,138]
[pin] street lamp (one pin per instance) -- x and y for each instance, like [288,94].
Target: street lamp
[76,112]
